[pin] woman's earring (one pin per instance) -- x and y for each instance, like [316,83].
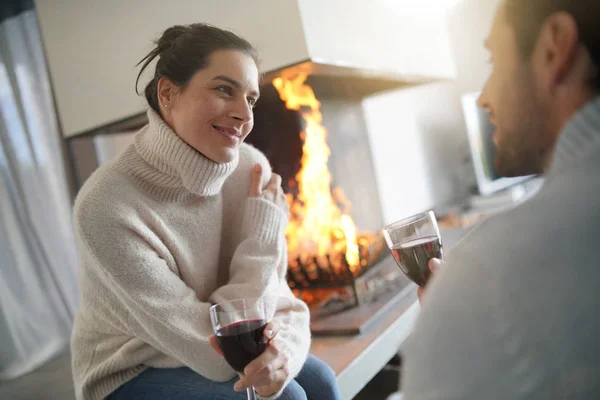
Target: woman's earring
[166,106]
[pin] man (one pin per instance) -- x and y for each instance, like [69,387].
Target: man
[514,313]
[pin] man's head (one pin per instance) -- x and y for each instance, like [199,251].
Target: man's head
[545,56]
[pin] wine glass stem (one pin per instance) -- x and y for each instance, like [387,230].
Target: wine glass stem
[250,393]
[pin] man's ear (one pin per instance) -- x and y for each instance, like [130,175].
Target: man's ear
[557,48]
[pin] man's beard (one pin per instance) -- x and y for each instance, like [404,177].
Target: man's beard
[522,153]
[526,149]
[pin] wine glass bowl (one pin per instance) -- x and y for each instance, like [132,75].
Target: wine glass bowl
[414,241]
[239,328]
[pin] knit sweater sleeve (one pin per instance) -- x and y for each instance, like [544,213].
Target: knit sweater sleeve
[258,269]
[263,248]
[257,264]
[154,304]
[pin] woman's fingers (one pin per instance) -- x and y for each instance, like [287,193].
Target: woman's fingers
[259,363]
[273,187]
[266,375]
[275,182]
[212,341]
[273,192]
[256,181]
[269,371]
[271,330]
[275,384]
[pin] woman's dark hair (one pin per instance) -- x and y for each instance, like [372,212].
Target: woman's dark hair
[183,50]
[528,16]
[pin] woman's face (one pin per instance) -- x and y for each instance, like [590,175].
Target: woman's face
[213,113]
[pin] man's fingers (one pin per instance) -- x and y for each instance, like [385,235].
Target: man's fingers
[435,264]
[256,181]
[212,340]
[420,292]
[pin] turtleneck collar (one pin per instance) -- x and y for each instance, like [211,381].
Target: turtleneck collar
[172,168]
[580,136]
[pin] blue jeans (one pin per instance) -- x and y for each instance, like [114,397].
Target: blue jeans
[316,381]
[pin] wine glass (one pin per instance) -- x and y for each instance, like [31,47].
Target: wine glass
[239,328]
[413,242]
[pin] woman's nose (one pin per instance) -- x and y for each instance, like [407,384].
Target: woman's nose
[242,111]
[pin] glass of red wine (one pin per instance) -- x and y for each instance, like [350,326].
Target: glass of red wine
[413,242]
[239,328]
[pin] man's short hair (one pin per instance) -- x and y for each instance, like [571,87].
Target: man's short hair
[528,16]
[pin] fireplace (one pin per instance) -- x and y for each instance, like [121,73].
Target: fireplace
[313,131]
[315,136]
[328,288]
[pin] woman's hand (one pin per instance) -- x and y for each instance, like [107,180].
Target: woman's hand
[273,192]
[269,372]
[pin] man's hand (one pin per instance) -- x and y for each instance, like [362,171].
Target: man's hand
[269,371]
[434,265]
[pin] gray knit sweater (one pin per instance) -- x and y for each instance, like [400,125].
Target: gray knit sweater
[162,233]
[515,313]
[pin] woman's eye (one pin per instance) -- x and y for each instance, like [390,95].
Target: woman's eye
[251,102]
[225,89]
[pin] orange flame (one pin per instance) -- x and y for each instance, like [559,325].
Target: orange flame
[317,225]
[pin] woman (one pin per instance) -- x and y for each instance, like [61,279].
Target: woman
[180,221]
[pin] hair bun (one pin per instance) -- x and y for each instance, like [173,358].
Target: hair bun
[169,36]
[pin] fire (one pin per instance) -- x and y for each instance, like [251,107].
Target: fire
[318,227]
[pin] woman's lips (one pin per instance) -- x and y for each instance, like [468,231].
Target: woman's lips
[231,134]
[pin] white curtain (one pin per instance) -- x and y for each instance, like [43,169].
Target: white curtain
[38,288]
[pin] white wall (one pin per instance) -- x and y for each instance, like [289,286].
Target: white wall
[418,135]
[93,47]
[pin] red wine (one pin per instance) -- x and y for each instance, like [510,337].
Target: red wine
[242,342]
[413,257]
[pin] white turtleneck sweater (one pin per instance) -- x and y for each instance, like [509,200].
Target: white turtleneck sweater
[162,233]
